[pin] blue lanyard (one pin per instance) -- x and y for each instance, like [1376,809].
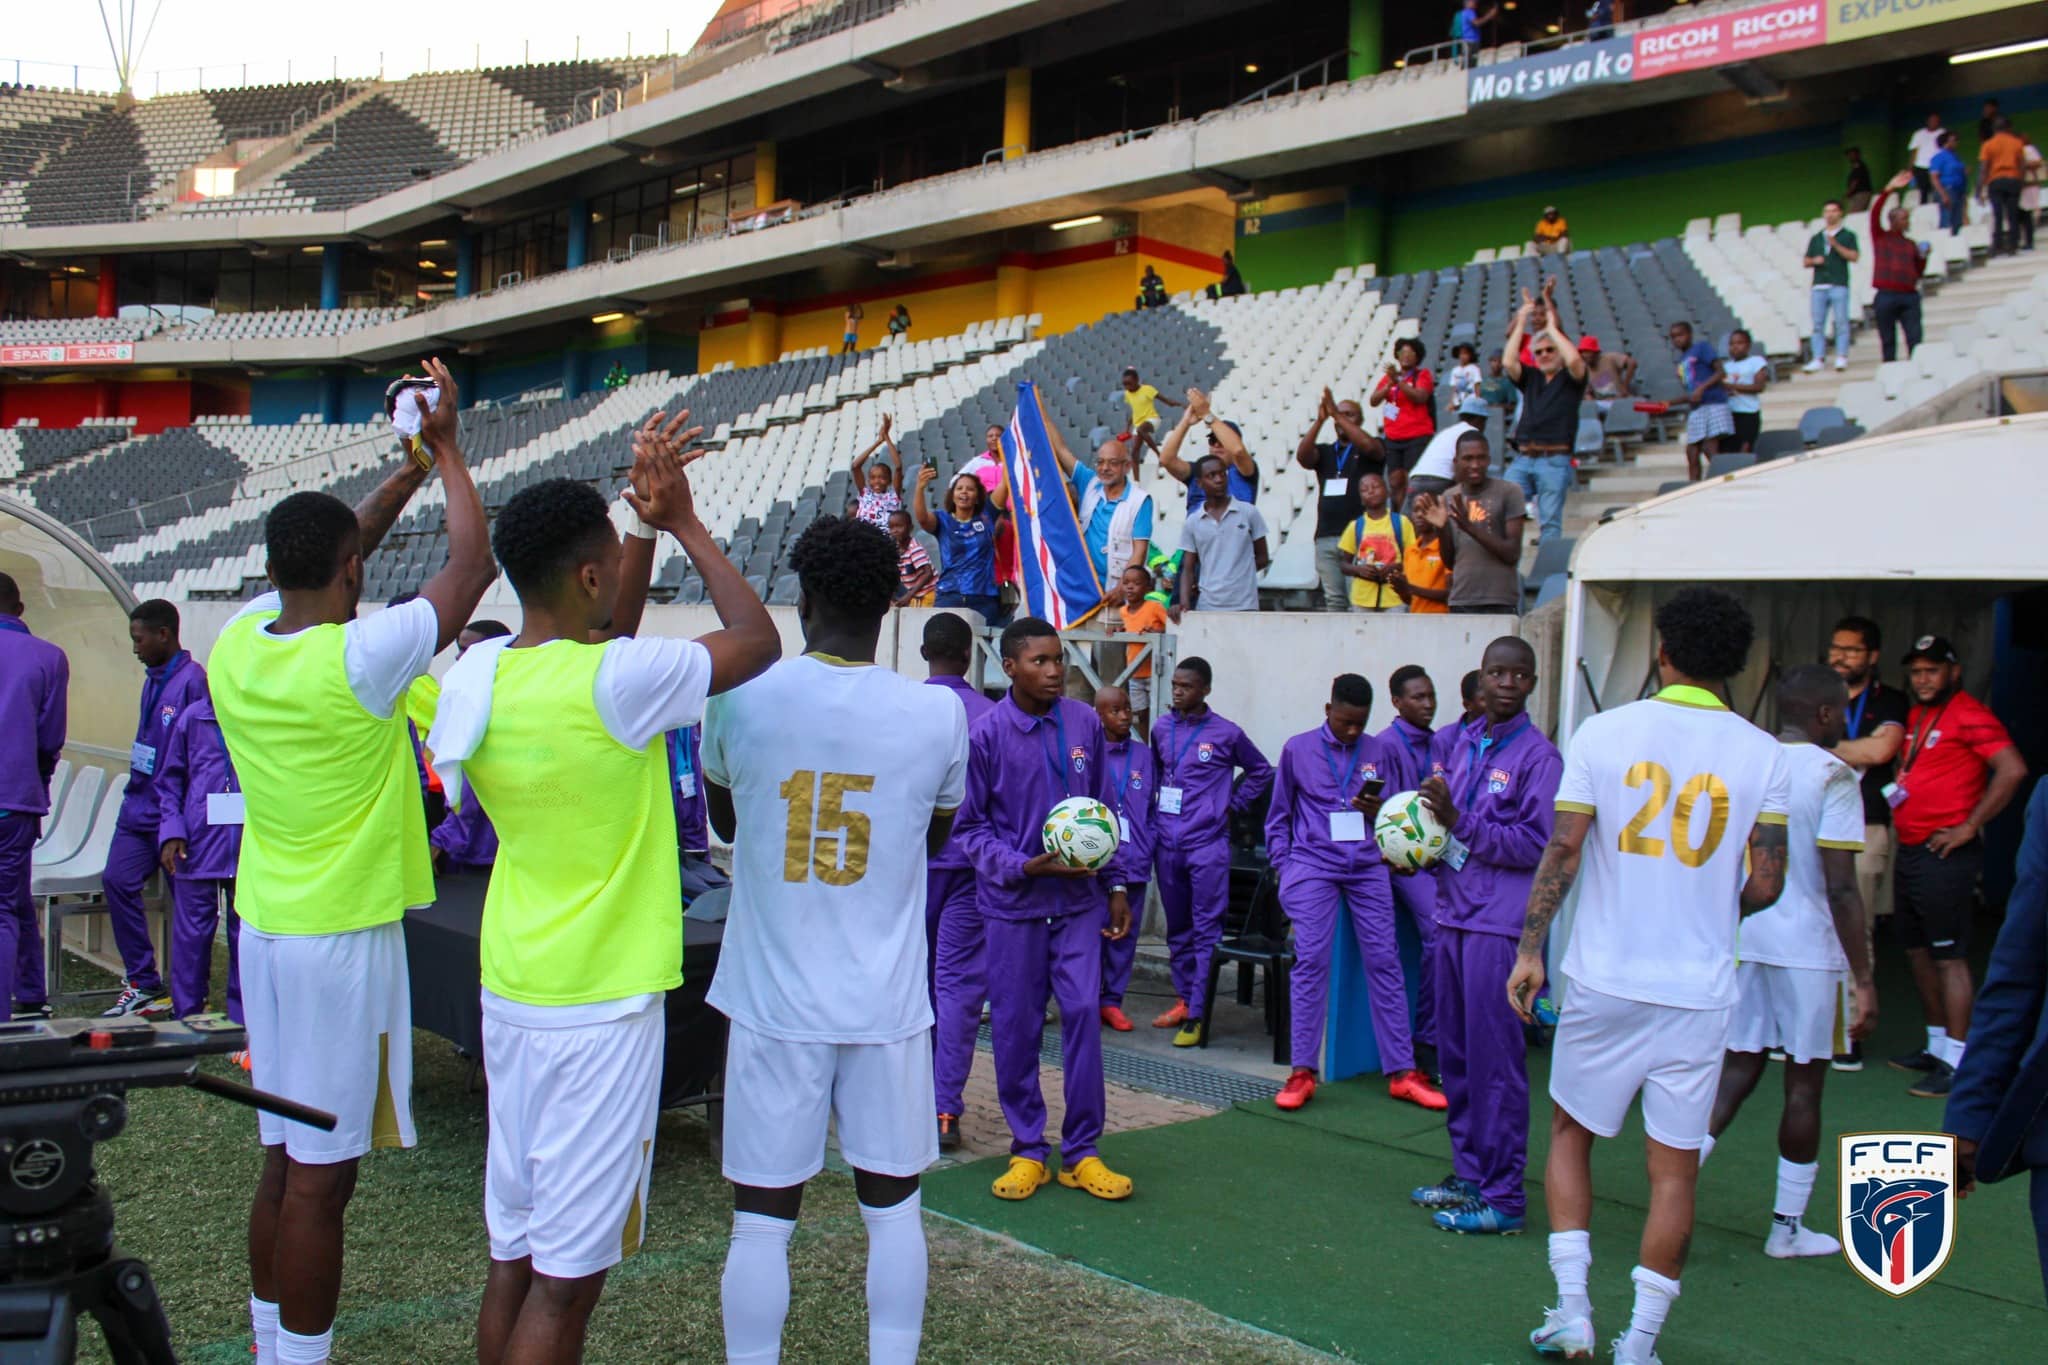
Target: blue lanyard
[1357,752]
[1481,743]
[1193,731]
[10,623]
[1419,750]
[153,690]
[678,757]
[1856,711]
[1123,785]
[1343,450]
[1057,757]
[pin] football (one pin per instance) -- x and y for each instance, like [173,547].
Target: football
[1081,832]
[1408,832]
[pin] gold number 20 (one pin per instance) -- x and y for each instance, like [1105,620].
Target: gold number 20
[824,838]
[1655,776]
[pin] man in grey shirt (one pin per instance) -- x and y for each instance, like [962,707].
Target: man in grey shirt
[1223,547]
[1481,520]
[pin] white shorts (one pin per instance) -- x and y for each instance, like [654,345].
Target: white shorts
[572,1140]
[1608,1048]
[330,1025]
[1800,1010]
[779,1095]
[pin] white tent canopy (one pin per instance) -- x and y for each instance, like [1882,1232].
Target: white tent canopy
[1920,530]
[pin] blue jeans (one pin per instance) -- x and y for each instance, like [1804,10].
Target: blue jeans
[990,606]
[1952,211]
[1544,481]
[1830,298]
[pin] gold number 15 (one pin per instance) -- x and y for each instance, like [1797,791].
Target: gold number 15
[1658,779]
[824,838]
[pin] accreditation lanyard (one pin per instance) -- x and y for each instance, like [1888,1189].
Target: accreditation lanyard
[1187,742]
[1056,758]
[1480,745]
[1356,754]
[1856,707]
[680,767]
[1920,738]
[153,690]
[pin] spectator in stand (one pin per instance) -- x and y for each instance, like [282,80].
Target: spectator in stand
[1924,143]
[849,341]
[899,321]
[884,491]
[1225,441]
[1152,290]
[1339,465]
[1874,733]
[1599,20]
[1499,391]
[1856,190]
[1463,380]
[1613,374]
[1223,547]
[913,566]
[2030,191]
[1115,514]
[1553,235]
[1552,389]
[616,377]
[1143,401]
[1987,123]
[2003,158]
[1952,183]
[987,467]
[1747,376]
[1373,547]
[1896,265]
[1137,614]
[1702,373]
[1424,578]
[1465,26]
[1232,283]
[1433,471]
[1829,253]
[966,531]
[1481,521]
[1412,390]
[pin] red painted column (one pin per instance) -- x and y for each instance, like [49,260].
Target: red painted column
[110,276]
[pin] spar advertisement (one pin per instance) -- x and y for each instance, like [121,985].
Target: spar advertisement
[1724,38]
[104,353]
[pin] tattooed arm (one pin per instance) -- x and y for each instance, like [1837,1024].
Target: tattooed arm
[1554,877]
[376,513]
[1845,904]
[1766,867]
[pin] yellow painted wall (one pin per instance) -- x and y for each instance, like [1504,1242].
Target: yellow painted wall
[933,313]
[1073,295]
[716,345]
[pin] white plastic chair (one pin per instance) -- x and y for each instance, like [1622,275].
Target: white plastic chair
[72,822]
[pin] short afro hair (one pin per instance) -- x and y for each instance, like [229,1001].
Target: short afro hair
[847,568]
[547,530]
[1405,674]
[1022,631]
[1705,633]
[306,536]
[157,614]
[1350,689]
[1198,666]
[1468,687]
[484,628]
[949,637]
[1805,688]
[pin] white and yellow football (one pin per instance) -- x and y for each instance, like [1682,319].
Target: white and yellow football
[1408,832]
[1081,832]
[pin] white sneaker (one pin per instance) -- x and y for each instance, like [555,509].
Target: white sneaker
[1790,1240]
[1559,1335]
[1812,366]
[1841,362]
[132,1000]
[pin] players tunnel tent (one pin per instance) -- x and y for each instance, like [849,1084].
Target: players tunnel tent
[1936,531]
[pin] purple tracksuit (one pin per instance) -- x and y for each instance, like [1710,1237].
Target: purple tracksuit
[1131,771]
[957,976]
[1407,750]
[1321,880]
[195,765]
[1196,758]
[166,691]
[466,837]
[1042,932]
[35,679]
[693,814]
[1503,784]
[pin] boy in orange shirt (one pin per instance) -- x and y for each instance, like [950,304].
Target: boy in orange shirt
[1137,615]
[1424,578]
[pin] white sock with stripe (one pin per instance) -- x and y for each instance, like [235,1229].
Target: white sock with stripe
[1795,1188]
[263,1325]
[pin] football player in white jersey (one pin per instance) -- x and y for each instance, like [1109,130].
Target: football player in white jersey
[1797,956]
[835,779]
[1651,793]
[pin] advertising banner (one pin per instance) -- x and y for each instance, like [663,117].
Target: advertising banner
[1851,19]
[1725,38]
[105,353]
[1538,77]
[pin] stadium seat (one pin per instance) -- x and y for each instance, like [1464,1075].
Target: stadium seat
[1728,461]
[1816,420]
[70,822]
[1772,445]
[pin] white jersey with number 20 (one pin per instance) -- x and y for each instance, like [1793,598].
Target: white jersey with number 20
[1674,785]
[835,771]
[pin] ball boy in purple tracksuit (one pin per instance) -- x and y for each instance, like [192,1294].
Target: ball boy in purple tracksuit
[1495,796]
[1326,794]
[465,840]
[199,842]
[174,680]
[1197,753]
[1132,778]
[1042,918]
[35,679]
[1407,746]
[952,918]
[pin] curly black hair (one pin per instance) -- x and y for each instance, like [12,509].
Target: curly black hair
[306,537]
[1706,633]
[847,568]
[546,531]
[157,614]
[1349,689]
[1405,674]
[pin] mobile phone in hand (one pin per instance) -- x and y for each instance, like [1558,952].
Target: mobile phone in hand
[1373,786]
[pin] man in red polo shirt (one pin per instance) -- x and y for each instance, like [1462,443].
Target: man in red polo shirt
[1957,771]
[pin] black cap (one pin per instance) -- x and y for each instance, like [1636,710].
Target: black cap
[1935,647]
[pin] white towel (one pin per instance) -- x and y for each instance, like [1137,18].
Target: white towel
[464,713]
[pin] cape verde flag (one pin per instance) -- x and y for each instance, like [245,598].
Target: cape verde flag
[1057,576]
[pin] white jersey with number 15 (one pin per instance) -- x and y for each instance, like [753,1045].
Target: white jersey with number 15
[1674,785]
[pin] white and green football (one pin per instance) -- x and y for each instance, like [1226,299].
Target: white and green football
[1081,832]
[1408,832]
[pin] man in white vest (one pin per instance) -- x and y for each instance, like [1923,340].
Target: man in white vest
[1116,515]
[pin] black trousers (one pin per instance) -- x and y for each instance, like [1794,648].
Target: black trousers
[1896,310]
[2004,195]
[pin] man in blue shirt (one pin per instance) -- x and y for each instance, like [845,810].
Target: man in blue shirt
[1951,182]
[1700,371]
[1225,442]
[1116,517]
[1465,28]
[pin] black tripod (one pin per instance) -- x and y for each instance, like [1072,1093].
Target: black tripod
[63,1090]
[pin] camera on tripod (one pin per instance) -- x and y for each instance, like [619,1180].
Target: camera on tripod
[63,1090]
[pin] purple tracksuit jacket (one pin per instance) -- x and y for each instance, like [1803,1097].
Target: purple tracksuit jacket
[1200,756]
[1133,778]
[166,691]
[195,765]
[34,680]
[956,950]
[1410,751]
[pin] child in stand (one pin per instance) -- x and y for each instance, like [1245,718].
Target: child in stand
[883,492]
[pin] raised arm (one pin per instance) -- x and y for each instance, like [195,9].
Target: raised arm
[1555,873]
[1511,351]
[636,555]
[919,507]
[1169,453]
[1566,347]
[1060,451]
[1234,449]
[1305,449]
[460,585]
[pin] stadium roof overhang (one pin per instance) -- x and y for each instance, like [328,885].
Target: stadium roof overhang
[1920,530]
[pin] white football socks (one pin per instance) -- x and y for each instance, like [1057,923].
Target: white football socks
[293,1349]
[263,1323]
[1937,1042]
[755,1290]
[1571,1261]
[1654,1296]
[1795,1188]
[1953,1054]
[897,1275]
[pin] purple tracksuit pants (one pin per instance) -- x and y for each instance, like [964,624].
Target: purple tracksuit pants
[21,937]
[130,860]
[1416,897]
[1480,1048]
[1027,959]
[1194,891]
[1318,903]
[959,982]
[196,905]
[1118,955]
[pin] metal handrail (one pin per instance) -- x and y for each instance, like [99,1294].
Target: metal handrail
[1292,82]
